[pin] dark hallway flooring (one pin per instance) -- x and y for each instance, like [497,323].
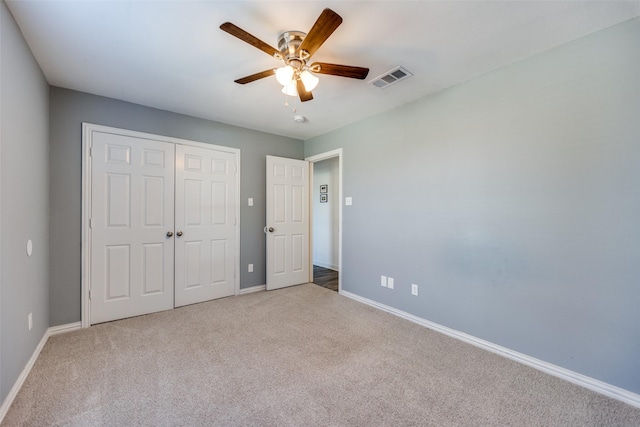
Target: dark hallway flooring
[325,278]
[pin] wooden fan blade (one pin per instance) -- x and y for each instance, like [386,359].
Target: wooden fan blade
[302,92]
[256,76]
[248,38]
[340,70]
[326,24]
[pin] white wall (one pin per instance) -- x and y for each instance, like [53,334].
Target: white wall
[325,215]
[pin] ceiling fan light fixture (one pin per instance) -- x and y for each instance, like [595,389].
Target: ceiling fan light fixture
[290,89]
[284,75]
[295,48]
[309,80]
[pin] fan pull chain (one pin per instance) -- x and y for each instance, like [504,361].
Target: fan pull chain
[286,103]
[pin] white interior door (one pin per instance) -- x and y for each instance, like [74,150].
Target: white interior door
[132,211]
[287,222]
[205,224]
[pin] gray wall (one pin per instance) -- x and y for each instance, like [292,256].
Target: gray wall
[513,201]
[68,109]
[24,202]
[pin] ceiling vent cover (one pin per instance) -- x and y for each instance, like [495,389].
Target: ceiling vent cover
[391,77]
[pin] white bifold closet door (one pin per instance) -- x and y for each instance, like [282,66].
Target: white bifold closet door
[132,206]
[162,225]
[205,224]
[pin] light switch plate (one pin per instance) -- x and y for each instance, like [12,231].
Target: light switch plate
[348,201]
[390,282]
[250,201]
[383,281]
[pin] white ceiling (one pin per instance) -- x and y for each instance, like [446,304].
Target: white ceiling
[173,56]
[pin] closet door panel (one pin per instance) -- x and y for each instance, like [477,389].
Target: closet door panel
[205,217]
[132,205]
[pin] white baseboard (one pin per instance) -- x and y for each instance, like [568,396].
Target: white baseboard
[55,330]
[557,371]
[252,289]
[326,265]
[69,327]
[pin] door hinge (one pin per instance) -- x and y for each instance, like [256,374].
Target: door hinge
[89,293]
[90,151]
[90,222]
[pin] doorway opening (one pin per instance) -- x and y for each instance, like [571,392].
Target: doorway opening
[325,277]
[326,219]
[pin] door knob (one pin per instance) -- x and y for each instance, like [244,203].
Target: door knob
[271,229]
[169,233]
[179,233]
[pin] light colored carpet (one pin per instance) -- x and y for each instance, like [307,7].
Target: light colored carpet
[302,356]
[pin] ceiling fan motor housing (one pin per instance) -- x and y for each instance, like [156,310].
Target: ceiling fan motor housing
[289,46]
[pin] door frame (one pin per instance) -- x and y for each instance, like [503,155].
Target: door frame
[87,138]
[318,158]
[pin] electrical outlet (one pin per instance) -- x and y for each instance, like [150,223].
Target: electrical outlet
[30,321]
[383,281]
[414,289]
[250,268]
[390,282]
[250,201]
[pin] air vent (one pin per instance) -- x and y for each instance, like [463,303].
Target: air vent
[391,77]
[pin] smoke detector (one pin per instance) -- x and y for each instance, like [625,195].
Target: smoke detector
[299,118]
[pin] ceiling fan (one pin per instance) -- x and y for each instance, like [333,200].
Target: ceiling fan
[295,48]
